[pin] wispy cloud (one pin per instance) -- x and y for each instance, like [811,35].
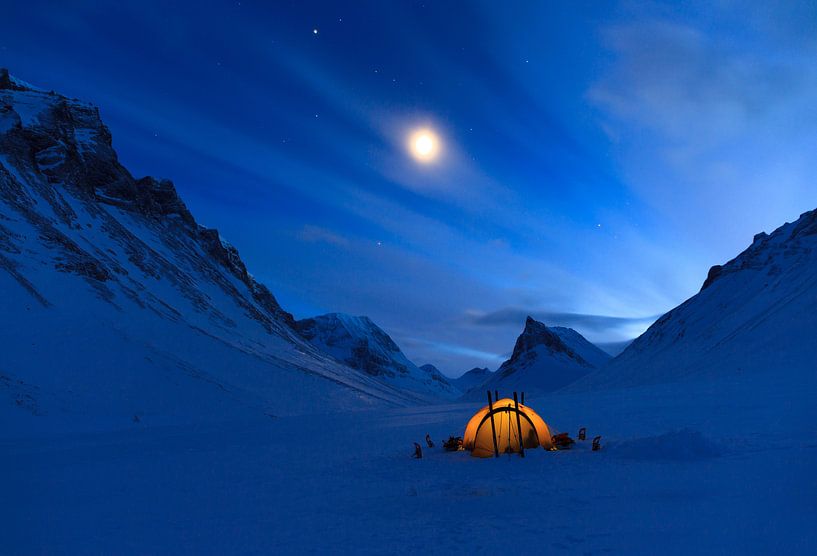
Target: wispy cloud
[316,234]
[595,323]
[708,125]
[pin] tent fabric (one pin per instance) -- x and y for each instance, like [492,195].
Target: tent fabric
[479,440]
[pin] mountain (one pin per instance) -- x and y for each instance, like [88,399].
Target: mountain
[472,379]
[435,372]
[581,346]
[544,359]
[754,317]
[429,368]
[364,346]
[614,348]
[118,305]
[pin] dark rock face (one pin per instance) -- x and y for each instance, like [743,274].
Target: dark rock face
[373,354]
[365,359]
[361,344]
[66,152]
[712,275]
[788,240]
[7,83]
[537,334]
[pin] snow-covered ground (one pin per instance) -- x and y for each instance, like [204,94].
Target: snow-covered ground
[156,399]
[714,467]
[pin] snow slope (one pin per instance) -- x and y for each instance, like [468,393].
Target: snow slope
[723,469]
[755,315]
[581,346]
[473,378]
[118,306]
[128,316]
[544,359]
[363,345]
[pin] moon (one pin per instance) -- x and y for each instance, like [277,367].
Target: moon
[424,145]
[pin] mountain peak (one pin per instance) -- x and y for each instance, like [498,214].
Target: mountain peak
[473,378]
[544,359]
[754,315]
[768,252]
[538,334]
[10,83]
[361,344]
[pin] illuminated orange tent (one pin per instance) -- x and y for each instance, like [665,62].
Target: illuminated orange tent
[499,420]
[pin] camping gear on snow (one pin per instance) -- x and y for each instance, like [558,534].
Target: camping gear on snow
[499,426]
[583,433]
[562,441]
[597,444]
[429,441]
[418,451]
[453,444]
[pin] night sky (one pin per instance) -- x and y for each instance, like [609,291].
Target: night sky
[595,159]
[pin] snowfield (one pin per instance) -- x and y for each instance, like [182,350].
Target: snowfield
[156,399]
[715,468]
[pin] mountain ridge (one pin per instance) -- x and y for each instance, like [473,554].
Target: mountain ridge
[113,272]
[363,345]
[753,314]
[543,359]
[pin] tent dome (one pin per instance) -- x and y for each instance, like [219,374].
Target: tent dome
[478,437]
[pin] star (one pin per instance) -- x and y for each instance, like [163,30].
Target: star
[315,31]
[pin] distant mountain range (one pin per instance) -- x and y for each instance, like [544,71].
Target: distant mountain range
[472,378]
[364,346]
[119,306]
[544,359]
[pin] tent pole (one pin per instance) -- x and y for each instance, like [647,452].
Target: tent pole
[523,399]
[519,426]
[493,429]
[496,396]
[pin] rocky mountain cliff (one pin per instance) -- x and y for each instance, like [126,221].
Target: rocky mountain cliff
[755,317]
[363,345]
[543,359]
[117,302]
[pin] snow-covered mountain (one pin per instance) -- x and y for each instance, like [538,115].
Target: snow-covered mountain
[587,350]
[434,371]
[472,379]
[116,304]
[755,316]
[544,359]
[363,345]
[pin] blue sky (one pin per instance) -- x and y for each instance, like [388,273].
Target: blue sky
[597,158]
